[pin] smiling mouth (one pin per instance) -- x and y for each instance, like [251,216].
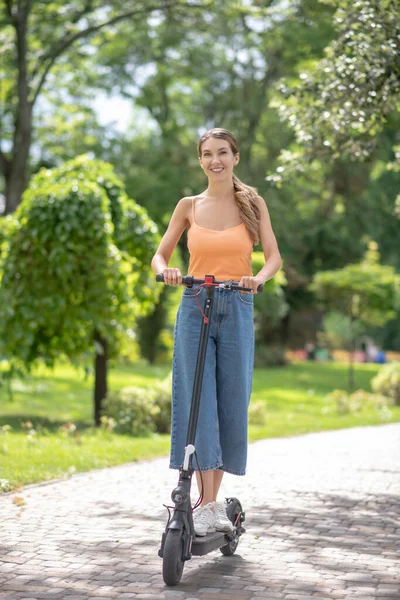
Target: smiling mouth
[217,170]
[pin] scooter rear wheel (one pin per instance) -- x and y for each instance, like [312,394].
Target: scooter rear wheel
[173,557]
[233,511]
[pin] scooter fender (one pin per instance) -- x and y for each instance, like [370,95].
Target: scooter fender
[176,524]
[179,520]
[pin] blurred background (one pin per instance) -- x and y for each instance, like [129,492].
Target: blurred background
[102,104]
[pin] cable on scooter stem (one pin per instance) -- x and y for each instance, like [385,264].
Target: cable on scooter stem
[189,281]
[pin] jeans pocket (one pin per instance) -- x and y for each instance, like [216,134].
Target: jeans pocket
[192,292]
[247,299]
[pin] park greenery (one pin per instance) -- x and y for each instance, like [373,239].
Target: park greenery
[77,270]
[311,89]
[41,439]
[365,294]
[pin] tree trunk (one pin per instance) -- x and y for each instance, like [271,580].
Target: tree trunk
[16,178]
[15,184]
[100,372]
[351,381]
[15,167]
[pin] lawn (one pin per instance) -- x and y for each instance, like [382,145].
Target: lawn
[293,398]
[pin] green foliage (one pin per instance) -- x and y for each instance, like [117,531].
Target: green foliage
[387,382]
[342,109]
[132,409]
[293,404]
[339,331]
[135,234]
[59,274]
[343,101]
[345,403]
[257,412]
[5,486]
[141,411]
[366,291]
[78,260]
[270,306]
[269,355]
[217,70]
[155,331]
[6,226]
[162,398]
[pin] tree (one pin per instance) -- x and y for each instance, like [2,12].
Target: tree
[220,74]
[344,101]
[77,271]
[6,226]
[270,306]
[38,36]
[367,293]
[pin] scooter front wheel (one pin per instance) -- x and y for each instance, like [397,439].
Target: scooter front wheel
[173,562]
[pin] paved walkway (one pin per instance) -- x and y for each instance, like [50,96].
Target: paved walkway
[323,522]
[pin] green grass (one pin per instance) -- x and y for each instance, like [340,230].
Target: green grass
[293,397]
[65,394]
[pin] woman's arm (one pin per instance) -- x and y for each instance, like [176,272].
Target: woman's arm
[179,221]
[270,248]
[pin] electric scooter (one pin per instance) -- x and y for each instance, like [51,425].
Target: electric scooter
[179,541]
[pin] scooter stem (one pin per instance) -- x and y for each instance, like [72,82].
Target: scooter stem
[198,379]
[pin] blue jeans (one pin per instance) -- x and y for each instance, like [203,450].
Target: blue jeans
[221,438]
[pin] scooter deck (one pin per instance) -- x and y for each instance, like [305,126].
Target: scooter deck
[207,543]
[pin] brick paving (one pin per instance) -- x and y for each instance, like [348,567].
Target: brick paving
[322,517]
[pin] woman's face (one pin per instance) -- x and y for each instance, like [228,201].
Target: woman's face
[217,159]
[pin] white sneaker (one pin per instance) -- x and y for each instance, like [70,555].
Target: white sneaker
[204,520]
[222,523]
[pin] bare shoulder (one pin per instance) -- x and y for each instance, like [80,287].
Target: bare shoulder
[261,203]
[185,204]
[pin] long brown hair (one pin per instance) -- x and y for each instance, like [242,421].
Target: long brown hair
[246,196]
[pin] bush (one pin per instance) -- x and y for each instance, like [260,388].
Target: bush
[141,411]
[352,403]
[257,412]
[163,400]
[269,356]
[387,382]
[5,486]
[132,409]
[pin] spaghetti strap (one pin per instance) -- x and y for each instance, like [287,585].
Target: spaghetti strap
[193,197]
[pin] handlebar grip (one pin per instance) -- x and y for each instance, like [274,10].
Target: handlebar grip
[186,279]
[260,288]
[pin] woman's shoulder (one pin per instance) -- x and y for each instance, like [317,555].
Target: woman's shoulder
[185,204]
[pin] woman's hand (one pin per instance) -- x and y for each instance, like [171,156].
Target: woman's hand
[251,282]
[172,276]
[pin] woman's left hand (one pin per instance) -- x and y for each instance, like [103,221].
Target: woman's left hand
[250,282]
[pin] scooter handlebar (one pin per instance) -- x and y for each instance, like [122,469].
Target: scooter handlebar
[189,280]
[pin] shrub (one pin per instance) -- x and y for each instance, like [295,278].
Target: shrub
[269,356]
[5,486]
[163,399]
[133,410]
[355,402]
[257,412]
[140,411]
[387,382]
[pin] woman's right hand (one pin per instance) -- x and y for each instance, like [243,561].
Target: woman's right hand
[172,276]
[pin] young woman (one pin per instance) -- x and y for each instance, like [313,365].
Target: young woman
[223,222]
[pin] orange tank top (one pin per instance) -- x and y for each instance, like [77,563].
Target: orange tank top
[225,254]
